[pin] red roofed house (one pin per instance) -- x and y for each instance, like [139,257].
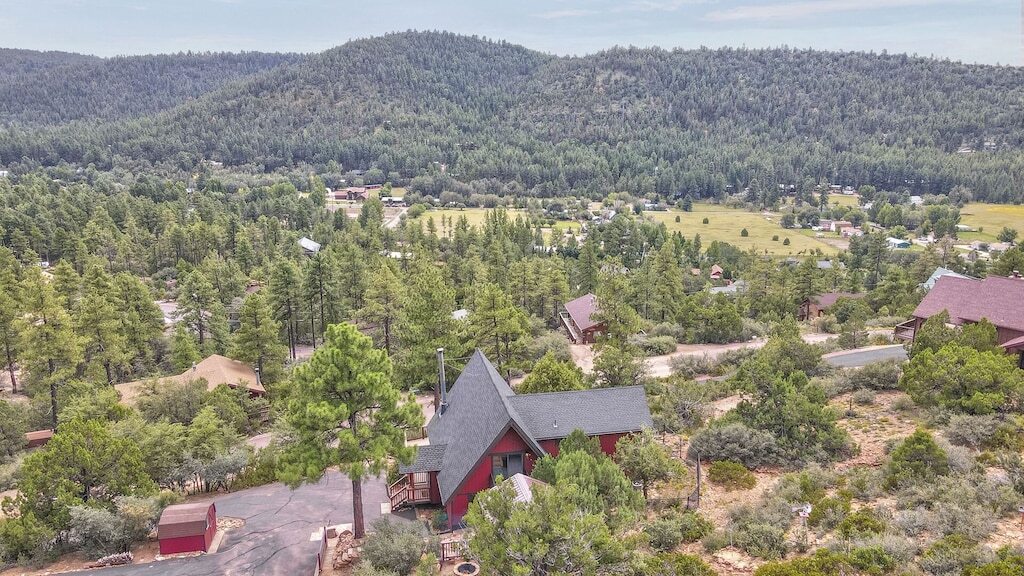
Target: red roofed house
[967,300]
[817,306]
[578,319]
[483,430]
[716,272]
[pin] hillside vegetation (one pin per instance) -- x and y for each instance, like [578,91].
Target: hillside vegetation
[646,120]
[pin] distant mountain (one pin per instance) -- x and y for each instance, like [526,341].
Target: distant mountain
[674,122]
[42,88]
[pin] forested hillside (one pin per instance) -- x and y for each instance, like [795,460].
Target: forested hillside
[39,88]
[644,120]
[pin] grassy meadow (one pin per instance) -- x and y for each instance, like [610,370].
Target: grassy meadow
[724,224]
[990,219]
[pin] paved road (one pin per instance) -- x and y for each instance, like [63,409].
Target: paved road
[865,356]
[275,540]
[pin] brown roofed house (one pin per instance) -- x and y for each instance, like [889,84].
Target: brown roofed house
[214,369]
[967,300]
[716,272]
[579,320]
[817,306]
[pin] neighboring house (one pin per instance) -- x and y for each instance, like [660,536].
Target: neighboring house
[817,306]
[482,430]
[460,314]
[393,201]
[837,225]
[850,231]
[356,193]
[825,265]
[214,369]
[996,299]
[939,273]
[916,201]
[730,289]
[309,247]
[716,272]
[897,243]
[187,528]
[579,320]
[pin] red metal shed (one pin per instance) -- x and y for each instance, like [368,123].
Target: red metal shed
[187,528]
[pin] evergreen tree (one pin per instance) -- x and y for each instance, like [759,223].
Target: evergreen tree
[284,300]
[425,324]
[256,340]
[347,413]
[382,305]
[497,326]
[97,322]
[200,309]
[10,314]
[184,351]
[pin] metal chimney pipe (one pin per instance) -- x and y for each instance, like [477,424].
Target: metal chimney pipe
[442,383]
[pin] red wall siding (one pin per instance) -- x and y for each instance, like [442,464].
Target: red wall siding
[607,444]
[480,478]
[435,492]
[195,543]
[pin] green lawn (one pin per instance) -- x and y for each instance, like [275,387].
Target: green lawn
[990,219]
[725,224]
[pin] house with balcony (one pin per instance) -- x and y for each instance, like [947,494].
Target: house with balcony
[483,431]
[579,317]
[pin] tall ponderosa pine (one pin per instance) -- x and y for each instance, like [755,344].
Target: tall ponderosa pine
[97,322]
[10,313]
[346,412]
[497,326]
[382,304]
[424,325]
[285,300]
[51,351]
[200,309]
[257,339]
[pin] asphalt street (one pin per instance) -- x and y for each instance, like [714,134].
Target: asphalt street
[863,357]
[275,540]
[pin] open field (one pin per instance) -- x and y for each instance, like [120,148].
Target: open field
[476,216]
[990,218]
[724,224]
[843,200]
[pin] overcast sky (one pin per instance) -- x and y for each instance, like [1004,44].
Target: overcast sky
[986,31]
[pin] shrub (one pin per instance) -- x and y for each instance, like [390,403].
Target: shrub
[775,237]
[738,443]
[366,569]
[664,533]
[917,459]
[864,483]
[873,560]
[677,565]
[705,221]
[762,541]
[24,537]
[786,241]
[731,475]
[744,233]
[860,524]
[439,520]
[693,526]
[677,332]
[690,366]
[950,555]
[864,397]
[655,345]
[971,430]
[394,547]
[428,565]
[877,376]
[717,540]
[829,512]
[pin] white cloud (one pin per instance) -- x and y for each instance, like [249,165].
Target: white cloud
[804,9]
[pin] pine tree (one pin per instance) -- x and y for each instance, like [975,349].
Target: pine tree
[256,340]
[51,352]
[424,325]
[184,351]
[141,320]
[347,413]
[587,268]
[667,284]
[10,313]
[497,326]
[383,304]
[201,311]
[97,322]
[285,296]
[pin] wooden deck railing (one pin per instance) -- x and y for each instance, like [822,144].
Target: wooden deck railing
[404,491]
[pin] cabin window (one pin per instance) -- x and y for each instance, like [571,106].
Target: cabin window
[506,465]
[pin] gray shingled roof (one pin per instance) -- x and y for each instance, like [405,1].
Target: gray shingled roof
[428,459]
[482,407]
[597,411]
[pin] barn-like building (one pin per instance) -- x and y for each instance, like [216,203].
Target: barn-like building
[483,430]
[187,528]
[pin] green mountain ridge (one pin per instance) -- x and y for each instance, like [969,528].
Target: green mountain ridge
[646,120]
